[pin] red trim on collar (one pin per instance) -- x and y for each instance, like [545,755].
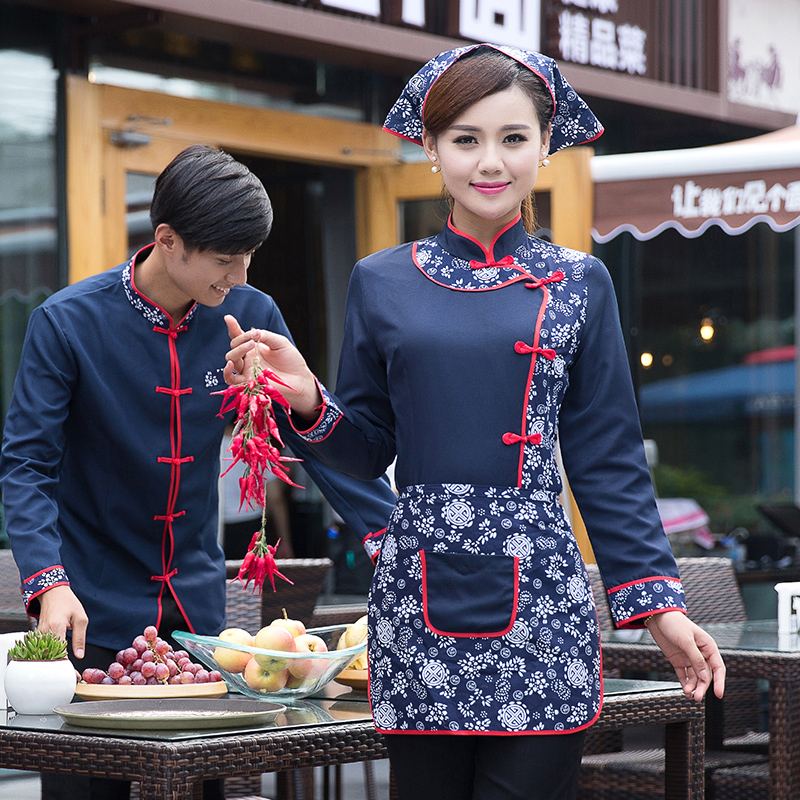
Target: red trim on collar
[147,299]
[490,252]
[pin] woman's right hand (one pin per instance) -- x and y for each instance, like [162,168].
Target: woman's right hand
[277,354]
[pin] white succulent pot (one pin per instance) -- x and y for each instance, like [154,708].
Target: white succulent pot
[37,687]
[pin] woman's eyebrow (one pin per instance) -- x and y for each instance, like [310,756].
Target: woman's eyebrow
[471,128]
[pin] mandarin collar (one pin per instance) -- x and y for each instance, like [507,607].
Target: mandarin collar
[463,246]
[457,261]
[151,311]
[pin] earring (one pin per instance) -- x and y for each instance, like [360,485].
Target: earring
[545,162]
[435,169]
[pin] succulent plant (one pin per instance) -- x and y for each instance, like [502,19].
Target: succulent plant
[38,645]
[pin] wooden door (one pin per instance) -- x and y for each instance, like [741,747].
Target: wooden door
[113,133]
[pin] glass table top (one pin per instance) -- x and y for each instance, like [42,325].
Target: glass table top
[340,705]
[761,634]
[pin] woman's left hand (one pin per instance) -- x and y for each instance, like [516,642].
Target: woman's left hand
[691,651]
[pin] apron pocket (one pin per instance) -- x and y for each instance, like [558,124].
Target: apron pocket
[467,595]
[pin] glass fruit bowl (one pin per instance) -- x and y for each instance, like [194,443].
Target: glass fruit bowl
[280,675]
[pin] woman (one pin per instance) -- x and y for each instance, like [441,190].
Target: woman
[467,355]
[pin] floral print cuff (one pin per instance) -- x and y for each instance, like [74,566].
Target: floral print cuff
[632,603]
[372,544]
[329,416]
[40,582]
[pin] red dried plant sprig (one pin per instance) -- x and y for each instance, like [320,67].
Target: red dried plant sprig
[252,443]
[253,434]
[259,563]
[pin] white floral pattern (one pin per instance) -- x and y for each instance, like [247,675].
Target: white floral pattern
[572,121]
[42,581]
[543,674]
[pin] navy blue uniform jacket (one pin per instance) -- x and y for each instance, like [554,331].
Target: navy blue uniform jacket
[111,455]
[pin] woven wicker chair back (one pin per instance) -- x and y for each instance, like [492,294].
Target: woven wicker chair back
[249,611]
[712,591]
[12,610]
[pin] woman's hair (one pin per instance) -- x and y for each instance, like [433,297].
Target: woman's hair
[482,72]
[212,201]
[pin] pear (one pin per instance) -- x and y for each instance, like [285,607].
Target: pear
[353,635]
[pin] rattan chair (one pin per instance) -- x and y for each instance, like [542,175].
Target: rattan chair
[712,595]
[247,610]
[13,617]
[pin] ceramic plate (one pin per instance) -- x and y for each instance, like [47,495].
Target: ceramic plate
[100,691]
[355,678]
[169,713]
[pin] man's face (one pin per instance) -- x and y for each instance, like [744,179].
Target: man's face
[205,276]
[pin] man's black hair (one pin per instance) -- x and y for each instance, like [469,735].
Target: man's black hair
[212,201]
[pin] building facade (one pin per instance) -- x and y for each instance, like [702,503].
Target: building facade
[97,95]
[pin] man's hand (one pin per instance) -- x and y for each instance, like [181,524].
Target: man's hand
[62,611]
[691,651]
[277,354]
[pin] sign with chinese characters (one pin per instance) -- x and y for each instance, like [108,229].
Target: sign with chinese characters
[509,22]
[598,33]
[691,200]
[734,201]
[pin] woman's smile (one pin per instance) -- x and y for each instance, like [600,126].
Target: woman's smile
[491,188]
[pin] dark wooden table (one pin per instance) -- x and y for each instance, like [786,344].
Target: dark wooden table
[319,732]
[750,650]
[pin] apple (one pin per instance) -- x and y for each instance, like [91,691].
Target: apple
[294,626]
[233,660]
[293,682]
[264,680]
[308,667]
[274,637]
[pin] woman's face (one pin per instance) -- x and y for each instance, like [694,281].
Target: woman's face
[490,159]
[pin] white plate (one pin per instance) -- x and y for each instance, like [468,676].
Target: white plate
[169,713]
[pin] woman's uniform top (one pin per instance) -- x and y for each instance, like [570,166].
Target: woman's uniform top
[111,455]
[470,365]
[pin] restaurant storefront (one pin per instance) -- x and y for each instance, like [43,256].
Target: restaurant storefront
[96,98]
[706,243]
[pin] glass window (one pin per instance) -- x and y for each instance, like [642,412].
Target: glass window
[139,187]
[710,326]
[29,270]
[186,66]
[28,229]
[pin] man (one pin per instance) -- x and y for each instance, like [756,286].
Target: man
[111,446]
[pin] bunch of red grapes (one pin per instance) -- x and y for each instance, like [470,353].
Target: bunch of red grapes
[150,661]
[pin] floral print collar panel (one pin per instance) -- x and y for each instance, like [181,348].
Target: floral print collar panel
[151,311]
[457,261]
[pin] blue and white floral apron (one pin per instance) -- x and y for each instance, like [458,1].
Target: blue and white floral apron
[484,619]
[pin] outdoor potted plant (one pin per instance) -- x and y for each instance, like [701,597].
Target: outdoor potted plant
[39,676]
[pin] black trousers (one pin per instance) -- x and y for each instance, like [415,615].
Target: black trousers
[74,787]
[485,767]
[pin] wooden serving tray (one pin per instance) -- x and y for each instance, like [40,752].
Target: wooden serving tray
[100,691]
[354,678]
